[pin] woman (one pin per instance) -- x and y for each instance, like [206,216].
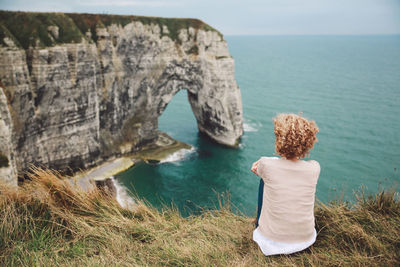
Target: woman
[286,219]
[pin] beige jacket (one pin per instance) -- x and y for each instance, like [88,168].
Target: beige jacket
[287,213]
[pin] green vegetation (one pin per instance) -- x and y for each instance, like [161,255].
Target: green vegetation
[31,28]
[88,22]
[5,33]
[3,160]
[221,57]
[48,222]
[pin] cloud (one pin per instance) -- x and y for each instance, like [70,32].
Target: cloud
[133,3]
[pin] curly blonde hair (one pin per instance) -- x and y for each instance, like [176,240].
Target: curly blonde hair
[295,135]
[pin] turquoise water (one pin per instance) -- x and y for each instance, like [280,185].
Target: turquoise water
[349,85]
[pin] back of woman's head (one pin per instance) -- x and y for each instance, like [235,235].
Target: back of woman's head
[295,135]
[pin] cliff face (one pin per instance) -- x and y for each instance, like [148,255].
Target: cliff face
[8,172]
[83,88]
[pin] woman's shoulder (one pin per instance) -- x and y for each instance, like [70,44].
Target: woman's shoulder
[265,164]
[314,163]
[268,159]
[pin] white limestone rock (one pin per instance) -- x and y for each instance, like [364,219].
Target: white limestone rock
[77,105]
[53,30]
[8,171]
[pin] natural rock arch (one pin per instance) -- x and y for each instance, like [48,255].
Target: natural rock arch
[215,110]
[76,104]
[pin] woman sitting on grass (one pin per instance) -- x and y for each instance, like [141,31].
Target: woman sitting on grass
[285,219]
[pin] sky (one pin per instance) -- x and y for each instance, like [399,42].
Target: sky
[247,17]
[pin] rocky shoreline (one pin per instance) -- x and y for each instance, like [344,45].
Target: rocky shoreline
[102,176]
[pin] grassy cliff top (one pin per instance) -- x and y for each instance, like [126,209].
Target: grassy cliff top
[47,222]
[32,28]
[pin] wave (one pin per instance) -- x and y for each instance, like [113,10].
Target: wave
[179,155]
[122,196]
[251,127]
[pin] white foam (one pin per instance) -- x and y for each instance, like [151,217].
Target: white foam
[250,127]
[122,196]
[178,155]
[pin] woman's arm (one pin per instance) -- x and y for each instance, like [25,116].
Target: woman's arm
[259,167]
[255,166]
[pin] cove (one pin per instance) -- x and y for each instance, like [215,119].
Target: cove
[347,84]
[191,181]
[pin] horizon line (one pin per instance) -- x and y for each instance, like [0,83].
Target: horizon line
[316,34]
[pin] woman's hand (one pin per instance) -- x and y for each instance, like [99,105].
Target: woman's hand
[254,167]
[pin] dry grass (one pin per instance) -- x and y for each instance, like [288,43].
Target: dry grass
[48,222]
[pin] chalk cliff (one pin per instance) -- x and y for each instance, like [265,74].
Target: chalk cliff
[8,171]
[77,89]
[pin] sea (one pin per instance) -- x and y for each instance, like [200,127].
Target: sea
[350,86]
